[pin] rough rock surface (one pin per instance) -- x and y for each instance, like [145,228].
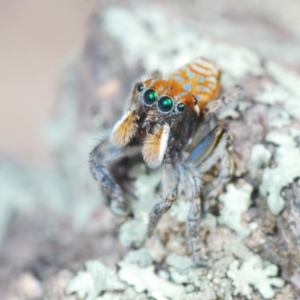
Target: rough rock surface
[243,254]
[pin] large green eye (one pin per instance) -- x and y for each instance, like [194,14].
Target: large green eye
[165,104]
[180,107]
[149,97]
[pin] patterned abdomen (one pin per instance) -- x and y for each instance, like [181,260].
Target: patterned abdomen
[201,78]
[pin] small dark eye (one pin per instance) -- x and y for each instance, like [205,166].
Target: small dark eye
[149,97]
[180,107]
[140,87]
[165,104]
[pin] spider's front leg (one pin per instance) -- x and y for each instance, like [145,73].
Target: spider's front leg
[112,148]
[103,153]
[170,181]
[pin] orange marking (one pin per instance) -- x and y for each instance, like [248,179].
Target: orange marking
[172,89]
[201,78]
[124,130]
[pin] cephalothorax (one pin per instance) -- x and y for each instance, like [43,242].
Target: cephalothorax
[169,121]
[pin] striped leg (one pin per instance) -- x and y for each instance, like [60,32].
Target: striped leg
[217,145]
[228,98]
[193,229]
[99,157]
[170,181]
[193,222]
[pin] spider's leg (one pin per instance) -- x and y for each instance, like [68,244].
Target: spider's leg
[170,181]
[228,98]
[193,221]
[112,148]
[217,145]
[101,155]
[193,228]
[227,166]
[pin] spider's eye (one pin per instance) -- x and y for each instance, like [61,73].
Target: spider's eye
[180,107]
[165,104]
[149,97]
[140,87]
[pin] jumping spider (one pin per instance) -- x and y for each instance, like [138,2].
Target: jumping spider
[170,122]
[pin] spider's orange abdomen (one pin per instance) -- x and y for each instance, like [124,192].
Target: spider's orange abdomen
[201,78]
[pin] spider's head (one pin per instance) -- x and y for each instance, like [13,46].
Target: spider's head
[161,111]
[165,99]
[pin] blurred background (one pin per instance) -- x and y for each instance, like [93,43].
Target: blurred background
[36,37]
[60,69]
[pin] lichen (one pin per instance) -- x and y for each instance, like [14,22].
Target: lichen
[236,201]
[287,158]
[251,272]
[133,232]
[179,262]
[180,210]
[96,279]
[286,95]
[226,113]
[280,139]
[288,79]
[144,279]
[184,43]
[176,277]
[141,257]
[235,247]
[272,94]
[260,157]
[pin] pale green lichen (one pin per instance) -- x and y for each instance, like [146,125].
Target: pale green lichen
[128,294]
[228,113]
[213,283]
[287,96]
[145,280]
[260,157]
[210,221]
[288,79]
[282,119]
[96,279]
[287,168]
[280,139]
[180,210]
[251,272]
[141,257]
[133,232]
[179,262]
[236,201]
[147,28]
[272,94]
[236,248]
[295,133]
